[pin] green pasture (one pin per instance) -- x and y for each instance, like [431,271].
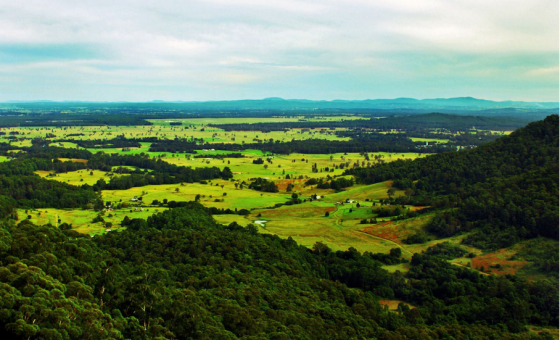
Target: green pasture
[282,165]
[306,223]
[81,220]
[79,177]
[430,140]
[230,218]
[210,193]
[166,131]
[68,145]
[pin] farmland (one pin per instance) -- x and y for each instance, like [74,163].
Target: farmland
[305,222]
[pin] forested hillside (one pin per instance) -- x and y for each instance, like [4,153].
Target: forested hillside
[180,275]
[507,190]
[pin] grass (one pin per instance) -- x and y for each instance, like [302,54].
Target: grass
[81,220]
[235,198]
[79,177]
[393,305]
[227,219]
[163,130]
[430,140]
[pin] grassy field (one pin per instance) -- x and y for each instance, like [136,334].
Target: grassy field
[165,131]
[81,220]
[79,177]
[430,140]
[293,164]
[306,223]
[210,193]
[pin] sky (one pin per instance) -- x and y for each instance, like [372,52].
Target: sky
[143,50]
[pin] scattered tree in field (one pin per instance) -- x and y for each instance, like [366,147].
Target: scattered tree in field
[391,192]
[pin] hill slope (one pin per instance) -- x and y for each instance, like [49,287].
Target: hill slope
[508,189]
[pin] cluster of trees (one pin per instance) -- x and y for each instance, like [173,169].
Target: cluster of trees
[508,189]
[20,187]
[117,142]
[336,184]
[223,155]
[261,184]
[176,145]
[181,275]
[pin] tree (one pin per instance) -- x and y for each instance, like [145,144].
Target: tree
[125,221]
[409,192]
[391,192]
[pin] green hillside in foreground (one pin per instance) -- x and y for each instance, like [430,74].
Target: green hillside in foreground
[180,275]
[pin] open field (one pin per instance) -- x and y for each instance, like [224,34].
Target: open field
[282,165]
[430,140]
[79,177]
[306,222]
[81,220]
[393,305]
[164,131]
[234,198]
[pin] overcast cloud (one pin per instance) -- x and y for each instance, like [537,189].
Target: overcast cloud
[141,50]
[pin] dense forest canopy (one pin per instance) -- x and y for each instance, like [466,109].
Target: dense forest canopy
[180,275]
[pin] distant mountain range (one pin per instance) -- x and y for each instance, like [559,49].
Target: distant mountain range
[459,105]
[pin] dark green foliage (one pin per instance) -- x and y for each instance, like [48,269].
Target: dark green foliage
[418,237]
[261,184]
[336,184]
[543,253]
[180,275]
[446,251]
[507,189]
[35,192]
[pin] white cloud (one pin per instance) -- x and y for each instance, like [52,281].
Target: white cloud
[253,42]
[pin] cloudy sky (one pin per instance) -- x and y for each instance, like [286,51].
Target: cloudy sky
[141,50]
